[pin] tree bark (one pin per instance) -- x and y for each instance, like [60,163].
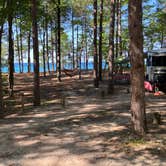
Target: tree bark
[1,33]
[120,28]
[36,89]
[73,38]
[59,41]
[100,40]
[111,48]
[21,50]
[1,90]
[81,49]
[29,47]
[47,49]
[86,45]
[11,50]
[138,116]
[56,50]
[95,71]
[52,47]
[18,47]
[44,58]
[117,25]
[77,59]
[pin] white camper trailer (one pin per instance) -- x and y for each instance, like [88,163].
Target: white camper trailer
[156,66]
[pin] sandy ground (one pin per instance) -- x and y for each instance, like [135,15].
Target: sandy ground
[77,126]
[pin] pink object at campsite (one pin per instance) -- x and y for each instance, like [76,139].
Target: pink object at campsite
[148,86]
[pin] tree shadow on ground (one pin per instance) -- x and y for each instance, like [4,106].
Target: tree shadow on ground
[95,128]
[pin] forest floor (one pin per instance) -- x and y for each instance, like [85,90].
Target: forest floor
[78,125]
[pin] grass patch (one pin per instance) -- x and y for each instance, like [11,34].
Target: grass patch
[135,142]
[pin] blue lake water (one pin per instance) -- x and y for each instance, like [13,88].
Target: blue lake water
[25,67]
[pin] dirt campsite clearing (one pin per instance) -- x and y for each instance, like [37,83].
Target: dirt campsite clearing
[78,125]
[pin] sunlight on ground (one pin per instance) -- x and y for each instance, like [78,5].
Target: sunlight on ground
[89,130]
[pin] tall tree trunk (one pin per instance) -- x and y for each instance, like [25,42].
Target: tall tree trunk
[138,115]
[73,39]
[59,41]
[47,49]
[111,48]
[56,50]
[1,90]
[44,59]
[29,48]
[77,59]
[21,50]
[95,71]
[100,40]
[11,50]
[1,33]
[52,47]
[36,89]
[81,50]
[86,45]
[86,54]
[117,25]
[18,47]
[120,27]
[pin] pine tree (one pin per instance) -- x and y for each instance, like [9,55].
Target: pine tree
[96,79]
[11,47]
[111,47]
[100,40]
[59,41]
[36,89]
[138,116]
